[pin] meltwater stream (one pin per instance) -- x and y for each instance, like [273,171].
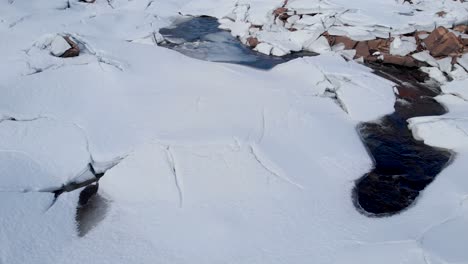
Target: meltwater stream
[201,38]
[403,166]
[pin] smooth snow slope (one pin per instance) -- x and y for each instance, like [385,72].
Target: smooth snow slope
[221,163]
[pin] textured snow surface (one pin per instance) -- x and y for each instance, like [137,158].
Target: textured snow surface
[220,163]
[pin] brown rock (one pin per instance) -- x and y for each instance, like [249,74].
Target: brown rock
[284,16]
[441,43]
[441,13]
[382,45]
[406,61]
[279,11]
[461,29]
[465,42]
[362,49]
[348,43]
[435,36]
[252,42]
[73,51]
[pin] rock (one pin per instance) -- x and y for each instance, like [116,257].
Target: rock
[465,42]
[347,42]
[441,13]
[59,46]
[73,51]
[284,17]
[252,42]
[88,1]
[461,29]
[279,11]
[362,49]
[382,45]
[405,61]
[441,42]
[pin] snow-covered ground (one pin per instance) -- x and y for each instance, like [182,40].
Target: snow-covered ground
[217,163]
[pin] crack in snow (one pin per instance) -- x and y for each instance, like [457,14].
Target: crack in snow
[263,127]
[14,119]
[149,4]
[20,20]
[73,184]
[257,158]
[457,95]
[177,180]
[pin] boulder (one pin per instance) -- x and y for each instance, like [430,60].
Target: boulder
[382,45]
[405,61]
[252,42]
[348,43]
[441,43]
[280,10]
[59,46]
[362,49]
[461,29]
[73,51]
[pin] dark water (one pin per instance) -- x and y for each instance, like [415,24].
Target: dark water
[201,38]
[403,166]
[90,214]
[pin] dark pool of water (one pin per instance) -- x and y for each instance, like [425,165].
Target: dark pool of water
[201,38]
[403,165]
[90,214]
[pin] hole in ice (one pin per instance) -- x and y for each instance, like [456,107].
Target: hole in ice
[403,165]
[91,210]
[200,38]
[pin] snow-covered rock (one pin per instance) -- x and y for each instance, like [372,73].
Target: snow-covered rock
[264,48]
[58,46]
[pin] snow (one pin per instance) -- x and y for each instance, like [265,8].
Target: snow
[435,74]
[215,163]
[402,46]
[320,45]
[59,45]
[264,48]
[424,56]
[46,153]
